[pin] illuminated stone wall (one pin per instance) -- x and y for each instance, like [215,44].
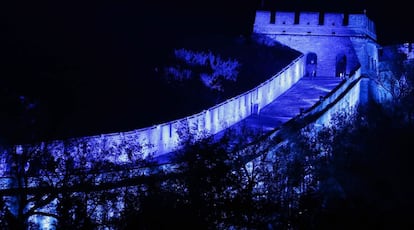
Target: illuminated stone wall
[310,23]
[347,95]
[329,37]
[355,40]
[306,33]
[130,147]
[125,147]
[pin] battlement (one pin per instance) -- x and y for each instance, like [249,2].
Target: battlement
[314,23]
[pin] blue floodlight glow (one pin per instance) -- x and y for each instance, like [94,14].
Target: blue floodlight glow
[324,54]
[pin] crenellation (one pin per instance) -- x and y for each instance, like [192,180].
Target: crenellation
[363,22]
[334,19]
[357,20]
[309,18]
[314,23]
[285,18]
[326,41]
[323,39]
[263,18]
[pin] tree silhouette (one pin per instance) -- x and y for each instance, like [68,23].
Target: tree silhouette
[396,78]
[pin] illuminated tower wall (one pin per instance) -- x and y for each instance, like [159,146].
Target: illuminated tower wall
[341,43]
[334,43]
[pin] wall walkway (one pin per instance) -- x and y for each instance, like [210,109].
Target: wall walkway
[296,100]
[165,138]
[308,102]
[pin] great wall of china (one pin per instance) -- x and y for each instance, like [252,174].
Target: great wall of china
[332,44]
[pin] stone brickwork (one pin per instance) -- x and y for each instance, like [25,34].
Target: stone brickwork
[121,148]
[331,36]
[327,38]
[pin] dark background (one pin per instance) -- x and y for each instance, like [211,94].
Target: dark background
[52,50]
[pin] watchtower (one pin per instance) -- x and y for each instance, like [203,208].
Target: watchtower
[334,43]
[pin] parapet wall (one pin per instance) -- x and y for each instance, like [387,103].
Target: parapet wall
[314,23]
[344,97]
[164,138]
[167,137]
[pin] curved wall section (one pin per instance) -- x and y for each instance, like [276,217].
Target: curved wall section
[167,137]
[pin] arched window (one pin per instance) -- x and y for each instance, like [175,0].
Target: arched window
[311,64]
[311,58]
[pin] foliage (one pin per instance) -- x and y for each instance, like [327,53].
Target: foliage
[69,181]
[325,178]
[211,69]
[396,75]
[352,172]
[364,157]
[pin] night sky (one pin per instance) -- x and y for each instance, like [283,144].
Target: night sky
[52,50]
